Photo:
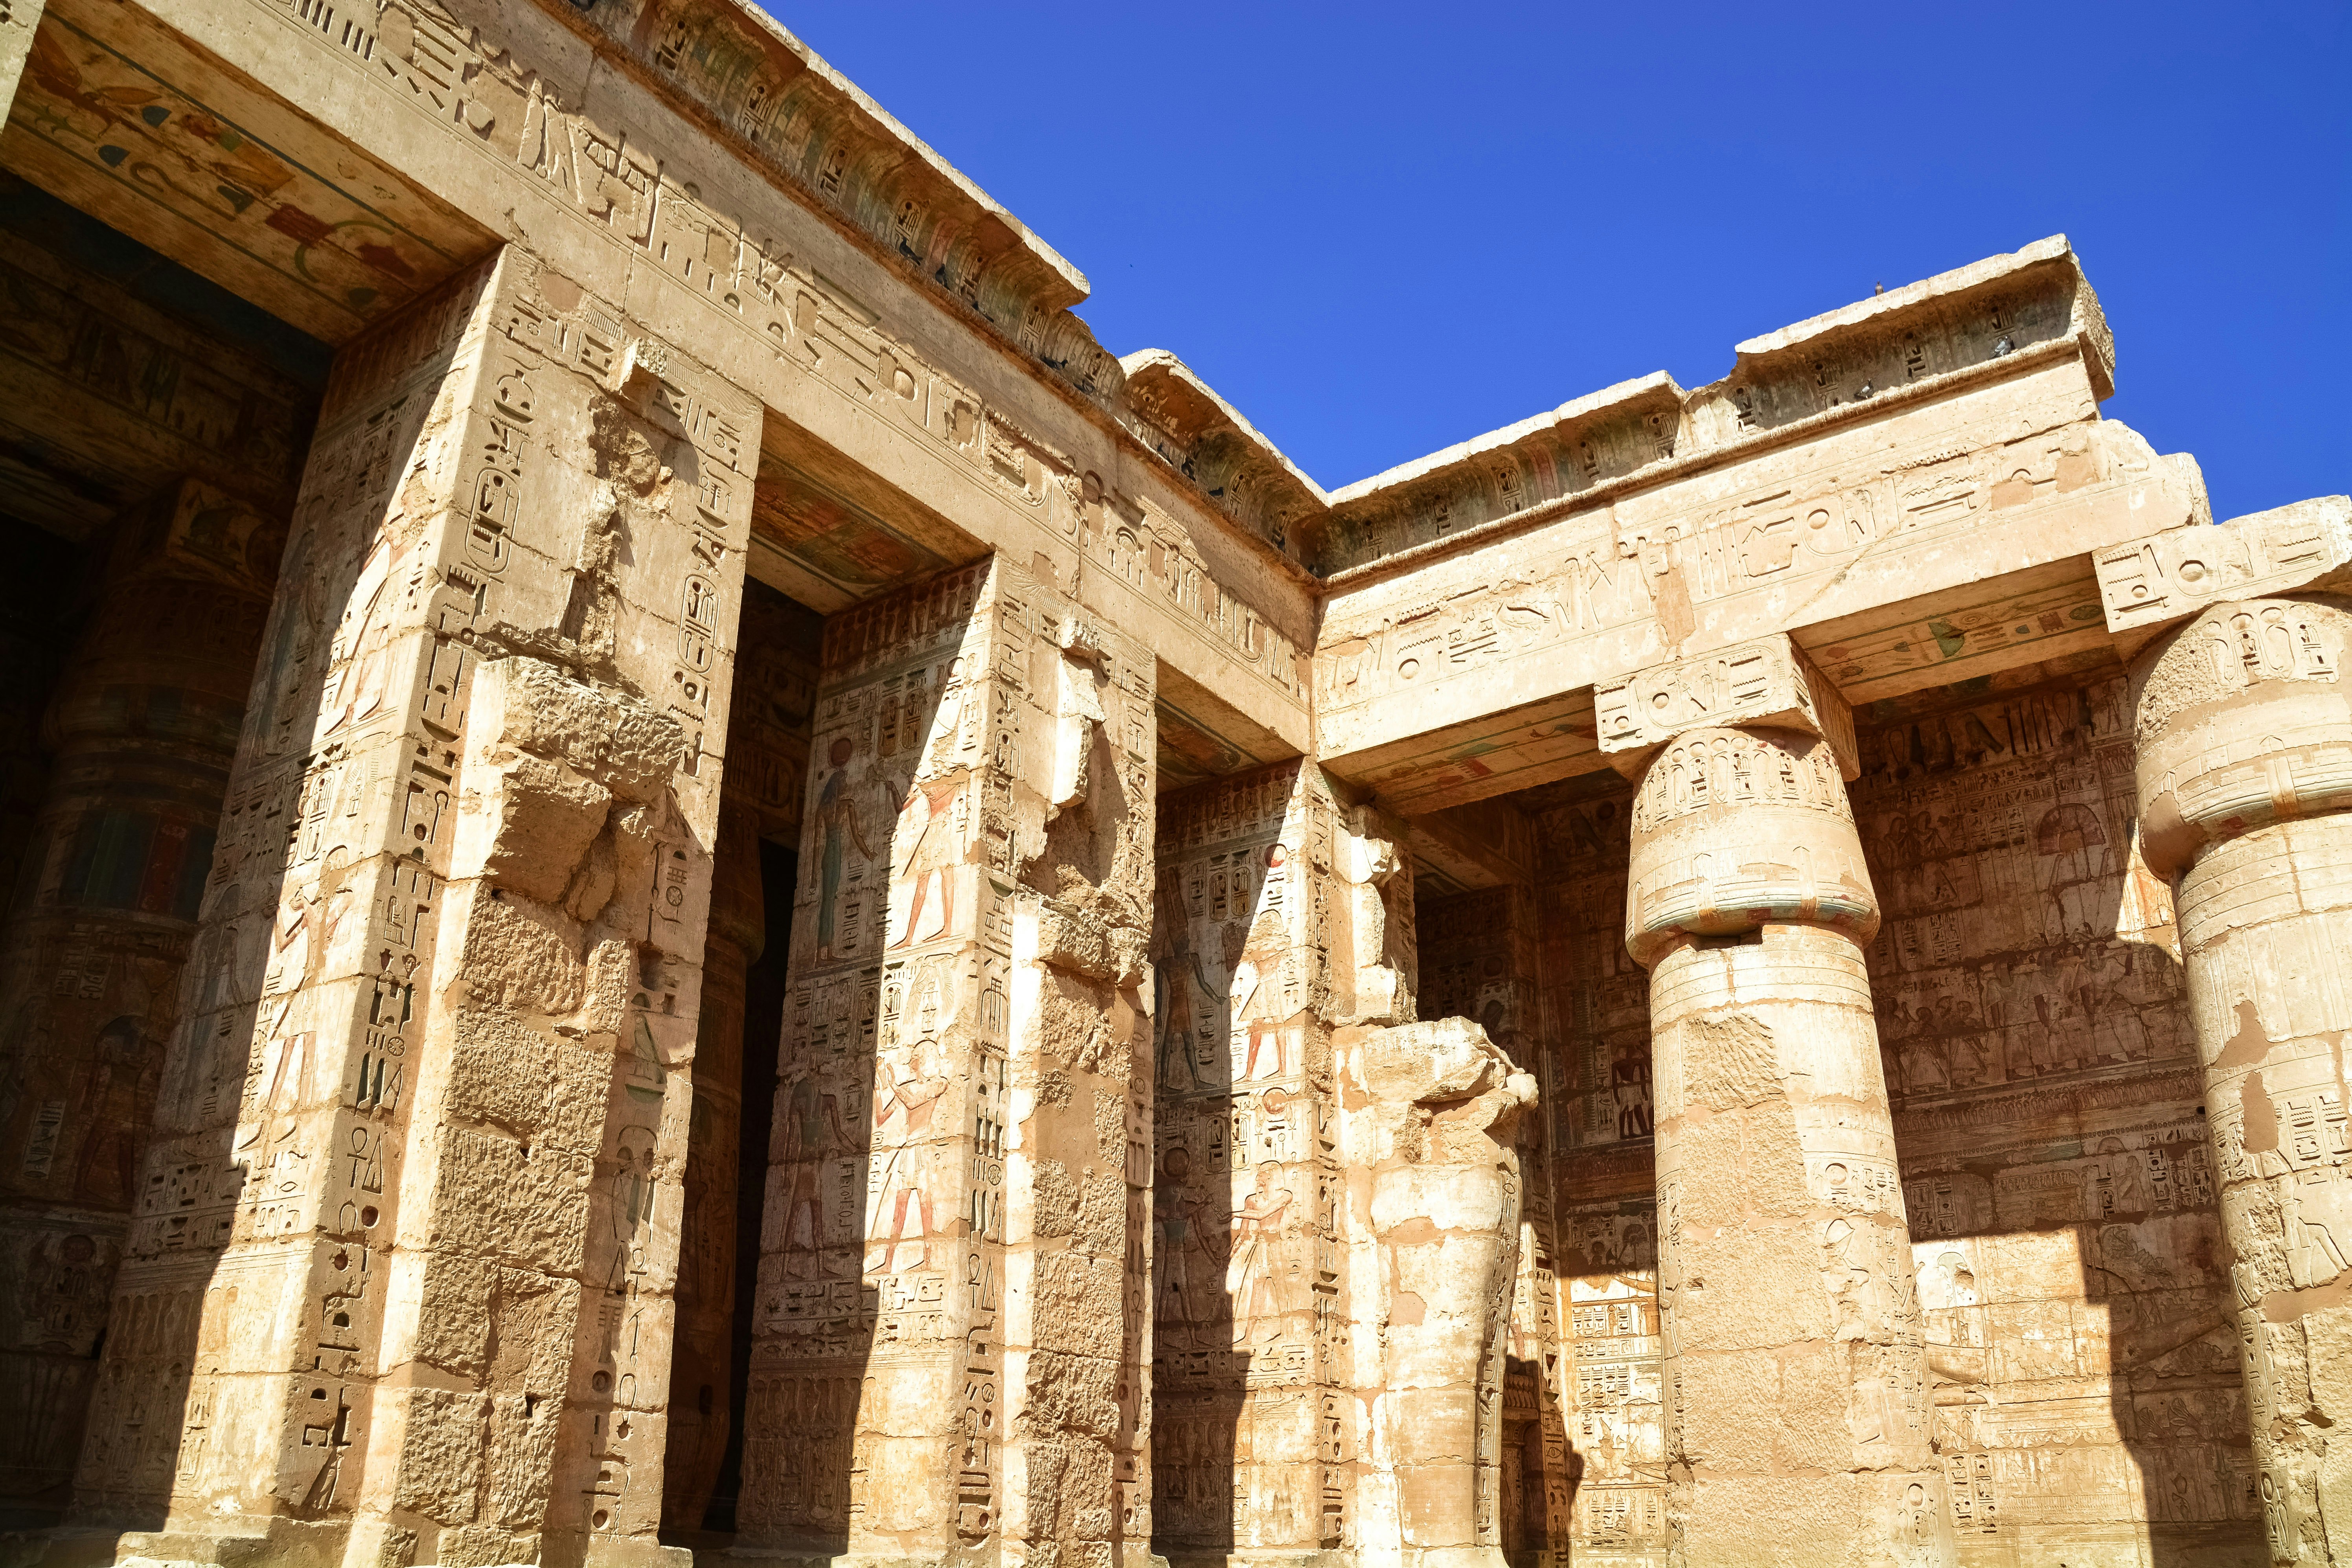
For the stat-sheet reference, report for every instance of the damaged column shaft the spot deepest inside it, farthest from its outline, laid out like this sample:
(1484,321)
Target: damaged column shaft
(2245,790)
(1797,1416)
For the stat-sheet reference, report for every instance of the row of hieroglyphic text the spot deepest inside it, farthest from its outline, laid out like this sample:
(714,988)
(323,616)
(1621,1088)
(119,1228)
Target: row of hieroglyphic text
(1615,1417)
(1249,1360)
(1594,581)
(478,85)
(1656,422)
(282,1124)
(2023,936)
(2060,1186)
(1595,1064)
(462,512)
(2083,1361)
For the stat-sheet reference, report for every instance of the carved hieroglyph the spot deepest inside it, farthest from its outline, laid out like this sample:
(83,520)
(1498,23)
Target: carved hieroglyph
(2027,977)
(414,1200)
(955,1249)
(2245,786)
(1765,683)
(1117,1198)
(1254,1431)
(1482,953)
(1797,1416)
(146,726)
(2149,582)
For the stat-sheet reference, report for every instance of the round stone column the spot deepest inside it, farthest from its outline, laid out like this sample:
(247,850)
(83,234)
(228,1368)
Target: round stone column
(1798,1424)
(2245,777)
(143,725)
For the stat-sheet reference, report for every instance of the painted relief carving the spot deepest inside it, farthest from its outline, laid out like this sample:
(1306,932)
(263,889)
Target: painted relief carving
(1255,1434)
(521,806)
(2167,575)
(1950,1168)
(1767,682)
(1437,1140)
(2261,825)
(959,1073)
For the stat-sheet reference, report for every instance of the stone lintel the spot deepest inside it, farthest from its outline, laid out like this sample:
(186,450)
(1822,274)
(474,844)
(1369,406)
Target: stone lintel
(2150,582)
(1480,844)
(1765,682)
(2046,266)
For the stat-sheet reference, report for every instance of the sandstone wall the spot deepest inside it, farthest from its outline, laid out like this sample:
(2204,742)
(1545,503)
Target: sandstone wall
(2061,1185)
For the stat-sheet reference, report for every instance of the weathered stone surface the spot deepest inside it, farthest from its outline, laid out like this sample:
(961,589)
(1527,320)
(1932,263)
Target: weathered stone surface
(1158,1031)
(1787,1301)
(2245,777)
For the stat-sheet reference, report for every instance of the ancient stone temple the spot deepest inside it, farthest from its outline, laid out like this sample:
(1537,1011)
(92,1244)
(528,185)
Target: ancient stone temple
(690,885)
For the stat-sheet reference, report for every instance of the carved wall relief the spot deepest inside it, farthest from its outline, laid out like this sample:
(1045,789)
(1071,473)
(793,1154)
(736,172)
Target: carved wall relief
(1481,953)
(1430,1134)
(955,1227)
(2057,1174)
(2244,735)
(1255,1430)
(145,724)
(469,827)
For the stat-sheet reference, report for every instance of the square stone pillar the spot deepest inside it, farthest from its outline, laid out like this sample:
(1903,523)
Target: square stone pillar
(952,1304)
(398,1288)
(1255,1424)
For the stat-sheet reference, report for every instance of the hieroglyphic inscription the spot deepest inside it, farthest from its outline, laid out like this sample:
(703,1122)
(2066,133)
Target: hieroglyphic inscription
(1250,1336)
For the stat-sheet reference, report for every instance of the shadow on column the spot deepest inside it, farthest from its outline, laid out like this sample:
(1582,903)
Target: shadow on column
(1209,1247)
(763,1018)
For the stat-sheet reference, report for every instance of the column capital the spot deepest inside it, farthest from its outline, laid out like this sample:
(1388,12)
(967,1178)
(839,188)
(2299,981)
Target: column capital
(1765,682)
(2242,719)
(1735,829)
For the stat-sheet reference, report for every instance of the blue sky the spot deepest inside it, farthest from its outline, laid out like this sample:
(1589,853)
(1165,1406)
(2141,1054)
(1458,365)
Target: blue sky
(1379,230)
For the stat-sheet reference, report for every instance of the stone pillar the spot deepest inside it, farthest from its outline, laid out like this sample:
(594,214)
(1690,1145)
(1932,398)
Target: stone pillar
(1437,1135)
(399,1285)
(955,1244)
(1255,1423)
(143,726)
(704,1352)
(1798,1424)
(1481,955)
(2245,790)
